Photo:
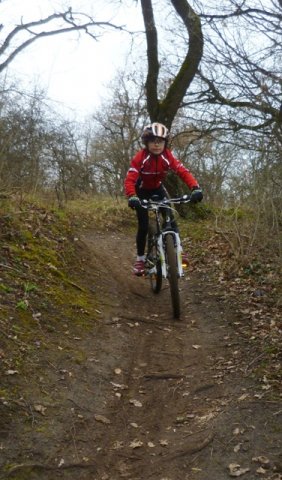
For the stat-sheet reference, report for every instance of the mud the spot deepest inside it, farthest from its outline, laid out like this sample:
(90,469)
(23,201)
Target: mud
(151,398)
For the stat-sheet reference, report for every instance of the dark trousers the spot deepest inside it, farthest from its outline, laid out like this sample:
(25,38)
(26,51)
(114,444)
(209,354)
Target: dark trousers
(143,217)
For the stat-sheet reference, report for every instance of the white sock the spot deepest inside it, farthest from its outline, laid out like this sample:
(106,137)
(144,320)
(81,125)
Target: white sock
(141,258)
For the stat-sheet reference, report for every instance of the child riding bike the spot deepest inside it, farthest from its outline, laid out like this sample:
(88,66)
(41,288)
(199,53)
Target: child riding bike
(148,169)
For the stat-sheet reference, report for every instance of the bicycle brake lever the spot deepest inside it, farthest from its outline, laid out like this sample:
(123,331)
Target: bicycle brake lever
(186,198)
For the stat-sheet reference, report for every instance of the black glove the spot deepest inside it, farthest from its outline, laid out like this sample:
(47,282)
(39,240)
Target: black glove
(134,202)
(196,195)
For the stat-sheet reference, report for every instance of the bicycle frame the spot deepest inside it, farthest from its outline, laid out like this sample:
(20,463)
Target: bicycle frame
(156,206)
(164,259)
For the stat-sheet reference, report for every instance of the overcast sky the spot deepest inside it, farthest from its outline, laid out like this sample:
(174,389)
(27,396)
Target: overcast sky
(73,70)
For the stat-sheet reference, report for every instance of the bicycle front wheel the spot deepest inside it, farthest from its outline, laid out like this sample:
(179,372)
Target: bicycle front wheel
(154,261)
(173,275)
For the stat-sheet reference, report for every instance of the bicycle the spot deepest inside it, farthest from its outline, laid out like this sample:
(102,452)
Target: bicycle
(164,251)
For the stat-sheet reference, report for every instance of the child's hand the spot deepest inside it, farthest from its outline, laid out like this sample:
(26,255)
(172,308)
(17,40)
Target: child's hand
(134,202)
(196,195)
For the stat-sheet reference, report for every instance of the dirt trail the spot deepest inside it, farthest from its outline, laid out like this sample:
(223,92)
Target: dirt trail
(153,398)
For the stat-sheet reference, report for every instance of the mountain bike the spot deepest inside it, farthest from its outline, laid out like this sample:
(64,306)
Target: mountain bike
(164,250)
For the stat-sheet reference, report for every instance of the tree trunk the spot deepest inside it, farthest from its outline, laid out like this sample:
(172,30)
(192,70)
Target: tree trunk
(166,110)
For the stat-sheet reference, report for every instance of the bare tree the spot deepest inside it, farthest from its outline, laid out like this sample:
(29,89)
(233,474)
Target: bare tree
(116,132)
(55,24)
(22,140)
(239,80)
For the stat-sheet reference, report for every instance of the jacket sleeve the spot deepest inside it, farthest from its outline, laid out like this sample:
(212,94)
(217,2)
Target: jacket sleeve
(132,175)
(182,171)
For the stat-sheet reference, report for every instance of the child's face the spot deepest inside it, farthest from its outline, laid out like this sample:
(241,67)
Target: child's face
(156,145)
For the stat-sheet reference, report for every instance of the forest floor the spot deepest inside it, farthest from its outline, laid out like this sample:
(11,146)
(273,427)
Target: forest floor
(133,394)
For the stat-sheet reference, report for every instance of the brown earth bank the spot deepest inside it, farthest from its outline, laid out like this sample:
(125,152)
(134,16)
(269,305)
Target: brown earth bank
(134,394)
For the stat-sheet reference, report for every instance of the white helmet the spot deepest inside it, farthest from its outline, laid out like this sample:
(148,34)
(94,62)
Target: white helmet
(155,130)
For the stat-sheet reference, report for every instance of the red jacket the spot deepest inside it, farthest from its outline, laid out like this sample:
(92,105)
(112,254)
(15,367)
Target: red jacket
(151,170)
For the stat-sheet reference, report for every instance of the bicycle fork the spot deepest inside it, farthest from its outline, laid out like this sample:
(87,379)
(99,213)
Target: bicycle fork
(178,248)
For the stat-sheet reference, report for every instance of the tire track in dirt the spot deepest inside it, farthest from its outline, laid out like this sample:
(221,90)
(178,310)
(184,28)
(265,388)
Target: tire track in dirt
(137,395)
(180,380)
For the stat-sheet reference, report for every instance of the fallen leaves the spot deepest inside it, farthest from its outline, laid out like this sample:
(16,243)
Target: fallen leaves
(136,444)
(11,372)
(40,409)
(164,443)
(134,425)
(235,470)
(261,459)
(136,403)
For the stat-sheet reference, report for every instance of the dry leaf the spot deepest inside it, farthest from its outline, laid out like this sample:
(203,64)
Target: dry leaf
(237,448)
(136,444)
(243,397)
(102,419)
(261,459)
(11,372)
(163,443)
(117,445)
(235,470)
(261,470)
(151,444)
(196,347)
(136,403)
(134,425)
(40,409)
(119,385)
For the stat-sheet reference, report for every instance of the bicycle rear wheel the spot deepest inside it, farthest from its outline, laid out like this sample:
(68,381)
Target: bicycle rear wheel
(154,261)
(173,275)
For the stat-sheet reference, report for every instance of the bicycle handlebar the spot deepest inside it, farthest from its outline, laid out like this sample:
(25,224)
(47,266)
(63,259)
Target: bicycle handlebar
(165,201)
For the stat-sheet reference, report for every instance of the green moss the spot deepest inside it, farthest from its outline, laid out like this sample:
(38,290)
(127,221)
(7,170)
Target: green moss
(5,288)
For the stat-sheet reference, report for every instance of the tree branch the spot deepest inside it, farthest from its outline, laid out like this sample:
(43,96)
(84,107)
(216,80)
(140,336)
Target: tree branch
(67,17)
(215,97)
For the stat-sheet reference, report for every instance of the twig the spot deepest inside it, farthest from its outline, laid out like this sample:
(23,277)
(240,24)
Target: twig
(80,406)
(162,376)
(75,285)
(10,268)
(41,466)
(253,361)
